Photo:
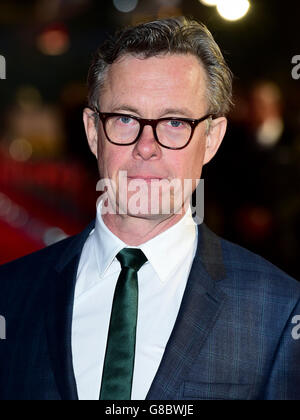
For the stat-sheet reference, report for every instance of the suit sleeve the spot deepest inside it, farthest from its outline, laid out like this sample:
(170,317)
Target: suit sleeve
(284,379)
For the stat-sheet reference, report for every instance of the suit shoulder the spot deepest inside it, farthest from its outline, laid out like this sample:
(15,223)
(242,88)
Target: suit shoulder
(251,268)
(30,271)
(48,256)
(44,256)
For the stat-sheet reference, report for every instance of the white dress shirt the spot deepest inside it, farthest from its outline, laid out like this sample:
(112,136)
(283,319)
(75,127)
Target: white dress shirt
(161,281)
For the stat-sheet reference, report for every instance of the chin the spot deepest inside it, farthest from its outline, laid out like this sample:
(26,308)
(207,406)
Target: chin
(146,216)
(151,210)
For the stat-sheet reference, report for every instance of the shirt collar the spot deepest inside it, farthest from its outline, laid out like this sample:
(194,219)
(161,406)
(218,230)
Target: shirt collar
(107,244)
(169,249)
(164,252)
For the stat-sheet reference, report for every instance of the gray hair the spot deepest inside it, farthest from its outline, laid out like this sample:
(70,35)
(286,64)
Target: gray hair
(160,37)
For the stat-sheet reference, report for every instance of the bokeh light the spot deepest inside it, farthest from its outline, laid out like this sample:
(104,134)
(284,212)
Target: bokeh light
(53,235)
(233,9)
(28,97)
(125,6)
(20,150)
(54,40)
(209,2)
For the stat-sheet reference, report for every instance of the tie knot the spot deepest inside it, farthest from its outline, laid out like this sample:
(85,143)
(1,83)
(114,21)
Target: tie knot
(131,258)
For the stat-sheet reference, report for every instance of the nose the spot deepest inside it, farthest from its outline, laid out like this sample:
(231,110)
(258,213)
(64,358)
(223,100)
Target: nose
(147,147)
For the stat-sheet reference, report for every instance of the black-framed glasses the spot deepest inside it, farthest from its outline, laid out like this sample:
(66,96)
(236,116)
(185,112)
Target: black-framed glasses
(170,132)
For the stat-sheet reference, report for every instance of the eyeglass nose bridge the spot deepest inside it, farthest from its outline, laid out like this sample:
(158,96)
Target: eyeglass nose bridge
(143,123)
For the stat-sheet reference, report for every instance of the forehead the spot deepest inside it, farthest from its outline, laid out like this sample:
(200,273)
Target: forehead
(157,81)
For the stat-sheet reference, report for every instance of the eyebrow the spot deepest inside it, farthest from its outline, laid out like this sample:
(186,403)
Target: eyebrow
(179,111)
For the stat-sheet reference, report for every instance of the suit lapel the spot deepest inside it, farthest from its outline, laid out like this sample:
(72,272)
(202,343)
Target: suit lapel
(59,315)
(201,305)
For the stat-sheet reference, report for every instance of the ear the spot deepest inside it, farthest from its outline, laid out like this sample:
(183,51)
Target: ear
(214,138)
(91,130)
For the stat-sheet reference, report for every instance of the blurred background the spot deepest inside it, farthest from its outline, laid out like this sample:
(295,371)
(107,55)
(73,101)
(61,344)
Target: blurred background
(47,174)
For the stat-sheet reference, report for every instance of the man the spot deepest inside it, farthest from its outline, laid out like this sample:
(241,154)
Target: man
(144,304)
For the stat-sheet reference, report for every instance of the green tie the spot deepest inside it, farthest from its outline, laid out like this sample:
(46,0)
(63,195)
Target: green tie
(120,349)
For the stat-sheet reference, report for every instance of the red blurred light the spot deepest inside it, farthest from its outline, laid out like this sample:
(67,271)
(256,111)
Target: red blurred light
(54,40)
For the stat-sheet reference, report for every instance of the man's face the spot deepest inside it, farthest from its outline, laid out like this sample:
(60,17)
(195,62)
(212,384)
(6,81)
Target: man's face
(156,87)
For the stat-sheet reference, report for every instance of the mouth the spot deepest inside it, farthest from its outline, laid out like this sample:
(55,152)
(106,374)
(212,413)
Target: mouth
(146,178)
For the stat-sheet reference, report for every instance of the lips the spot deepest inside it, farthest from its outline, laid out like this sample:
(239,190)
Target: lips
(145,177)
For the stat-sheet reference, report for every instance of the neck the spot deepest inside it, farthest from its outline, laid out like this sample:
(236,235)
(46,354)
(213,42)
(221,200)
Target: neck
(135,231)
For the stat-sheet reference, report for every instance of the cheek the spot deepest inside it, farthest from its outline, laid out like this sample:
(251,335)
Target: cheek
(106,155)
(111,160)
(104,160)
(197,157)
(189,164)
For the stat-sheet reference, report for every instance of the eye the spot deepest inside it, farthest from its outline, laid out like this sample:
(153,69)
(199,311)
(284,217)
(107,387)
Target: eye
(125,120)
(175,124)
